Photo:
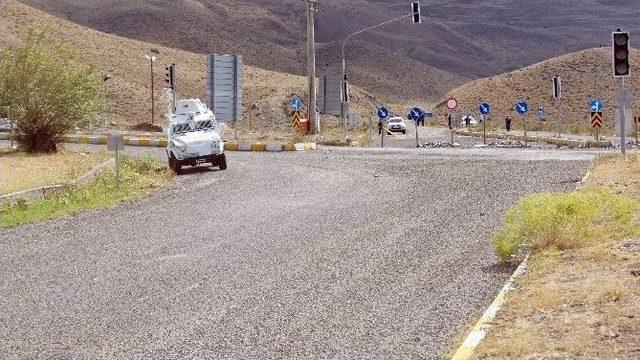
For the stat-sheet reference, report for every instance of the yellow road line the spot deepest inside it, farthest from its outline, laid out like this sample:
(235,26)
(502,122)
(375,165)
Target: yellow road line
(479,331)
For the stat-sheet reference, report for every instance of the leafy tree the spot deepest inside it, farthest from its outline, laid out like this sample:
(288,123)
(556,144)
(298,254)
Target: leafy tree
(46,92)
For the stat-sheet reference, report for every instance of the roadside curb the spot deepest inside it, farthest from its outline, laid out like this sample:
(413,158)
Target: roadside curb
(572,143)
(162,143)
(479,331)
(261,147)
(50,190)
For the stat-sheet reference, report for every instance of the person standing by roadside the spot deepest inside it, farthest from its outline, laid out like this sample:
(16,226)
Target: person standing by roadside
(380,127)
(507,123)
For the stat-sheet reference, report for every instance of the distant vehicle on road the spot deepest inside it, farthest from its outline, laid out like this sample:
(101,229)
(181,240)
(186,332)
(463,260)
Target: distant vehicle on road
(194,137)
(468,120)
(397,124)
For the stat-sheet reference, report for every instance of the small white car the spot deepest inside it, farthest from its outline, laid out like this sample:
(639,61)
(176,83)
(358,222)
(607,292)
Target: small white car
(397,124)
(194,137)
(472,121)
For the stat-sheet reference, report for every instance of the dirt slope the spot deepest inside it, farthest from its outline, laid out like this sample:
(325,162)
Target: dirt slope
(458,40)
(267,93)
(585,75)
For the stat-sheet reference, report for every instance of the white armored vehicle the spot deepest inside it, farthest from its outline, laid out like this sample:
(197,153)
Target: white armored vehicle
(194,136)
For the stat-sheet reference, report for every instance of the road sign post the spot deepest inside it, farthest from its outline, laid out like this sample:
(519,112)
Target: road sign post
(596,123)
(225,88)
(596,106)
(383,114)
(557,95)
(417,114)
(115,143)
(484,109)
(452,104)
(522,108)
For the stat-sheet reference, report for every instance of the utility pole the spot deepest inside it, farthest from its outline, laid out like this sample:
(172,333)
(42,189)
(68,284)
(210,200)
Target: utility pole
(152,59)
(311,64)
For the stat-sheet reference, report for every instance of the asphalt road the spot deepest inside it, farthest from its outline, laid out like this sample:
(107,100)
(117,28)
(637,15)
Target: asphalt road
(334,254)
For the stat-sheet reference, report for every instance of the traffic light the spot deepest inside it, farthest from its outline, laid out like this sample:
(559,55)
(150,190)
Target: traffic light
(415,7)
(170,76)
(621,54)
(557,87)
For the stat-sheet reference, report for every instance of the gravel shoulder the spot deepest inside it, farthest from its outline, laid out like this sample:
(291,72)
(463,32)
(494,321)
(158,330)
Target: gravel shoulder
(338,254)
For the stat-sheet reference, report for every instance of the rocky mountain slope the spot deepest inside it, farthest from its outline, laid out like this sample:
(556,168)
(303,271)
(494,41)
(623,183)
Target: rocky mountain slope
(267,93)
(458,41)
(585,75)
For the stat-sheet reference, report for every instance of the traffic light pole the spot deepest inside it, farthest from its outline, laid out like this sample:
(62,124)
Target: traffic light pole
(344,44)
(623,120)
(153,98)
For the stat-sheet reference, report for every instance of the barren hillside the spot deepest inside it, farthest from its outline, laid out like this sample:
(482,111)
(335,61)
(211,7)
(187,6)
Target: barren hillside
(458,41)
(267,93)
(585,75)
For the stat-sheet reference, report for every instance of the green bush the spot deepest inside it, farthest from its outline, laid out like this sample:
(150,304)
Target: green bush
(566,221)
(46,93)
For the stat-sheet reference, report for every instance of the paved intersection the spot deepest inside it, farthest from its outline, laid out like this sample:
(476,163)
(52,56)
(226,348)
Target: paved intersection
(334,254)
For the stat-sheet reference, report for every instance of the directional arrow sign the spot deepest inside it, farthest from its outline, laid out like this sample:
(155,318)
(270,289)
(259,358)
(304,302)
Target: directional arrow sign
(484,108)
(596,119)
(596,105)
(296,118)
(296,104)
(522,107)
(383,112)
(416,113)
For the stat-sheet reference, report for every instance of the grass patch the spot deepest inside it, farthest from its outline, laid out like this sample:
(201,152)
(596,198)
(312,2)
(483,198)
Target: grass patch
(566,221)
(22,171)
(138,177)
(579,297)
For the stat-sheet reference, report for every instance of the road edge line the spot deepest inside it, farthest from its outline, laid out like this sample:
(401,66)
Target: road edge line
(479,331)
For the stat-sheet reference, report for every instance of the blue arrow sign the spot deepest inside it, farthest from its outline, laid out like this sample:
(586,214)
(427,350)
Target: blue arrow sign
(522,107)
(484,108)
(416,114)
(383,112)
(596,105)
(296,104)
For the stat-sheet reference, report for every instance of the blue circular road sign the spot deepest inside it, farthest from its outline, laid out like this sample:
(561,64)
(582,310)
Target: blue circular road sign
(484,108)
(596,105)
(383,112)
(522,107)
(296,104)
(416,113)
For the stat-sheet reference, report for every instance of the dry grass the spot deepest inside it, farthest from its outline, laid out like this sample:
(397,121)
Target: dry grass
(22,171)
(612,171)
(581,303)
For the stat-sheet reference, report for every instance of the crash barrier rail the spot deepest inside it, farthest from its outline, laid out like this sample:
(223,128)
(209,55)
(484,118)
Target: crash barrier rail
(162,142)
(572,143)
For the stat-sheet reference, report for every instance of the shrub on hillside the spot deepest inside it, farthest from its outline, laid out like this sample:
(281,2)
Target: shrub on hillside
(46,93)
